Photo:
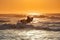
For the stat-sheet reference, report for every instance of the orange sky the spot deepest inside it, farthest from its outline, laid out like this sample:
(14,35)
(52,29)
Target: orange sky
(23,6)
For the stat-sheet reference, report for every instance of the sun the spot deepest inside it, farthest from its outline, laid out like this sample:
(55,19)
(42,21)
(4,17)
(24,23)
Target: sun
(33,13)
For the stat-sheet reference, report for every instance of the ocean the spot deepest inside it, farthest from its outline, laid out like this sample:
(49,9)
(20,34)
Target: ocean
(38,29)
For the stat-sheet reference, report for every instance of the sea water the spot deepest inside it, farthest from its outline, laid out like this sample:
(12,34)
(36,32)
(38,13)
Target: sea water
(31,34)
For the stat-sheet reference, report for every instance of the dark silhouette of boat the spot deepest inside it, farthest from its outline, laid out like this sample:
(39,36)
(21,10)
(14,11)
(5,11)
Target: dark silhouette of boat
(28,20)
(23,22)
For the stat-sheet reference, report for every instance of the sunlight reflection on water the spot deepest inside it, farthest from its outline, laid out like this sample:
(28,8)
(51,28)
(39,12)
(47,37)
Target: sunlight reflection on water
(31,34)
(40,35)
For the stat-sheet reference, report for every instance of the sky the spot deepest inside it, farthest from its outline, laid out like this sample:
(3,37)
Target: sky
(26,6)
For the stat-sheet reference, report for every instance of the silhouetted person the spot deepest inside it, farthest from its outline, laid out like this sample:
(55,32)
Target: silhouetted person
(28,20)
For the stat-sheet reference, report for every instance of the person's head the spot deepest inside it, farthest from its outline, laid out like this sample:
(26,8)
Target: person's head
(29,17)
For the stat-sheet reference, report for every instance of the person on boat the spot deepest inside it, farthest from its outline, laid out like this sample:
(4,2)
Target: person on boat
(22,23)
(28,20)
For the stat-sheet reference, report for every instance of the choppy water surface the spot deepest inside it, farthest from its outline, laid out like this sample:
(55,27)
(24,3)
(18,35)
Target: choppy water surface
(29,34)
(32,34)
